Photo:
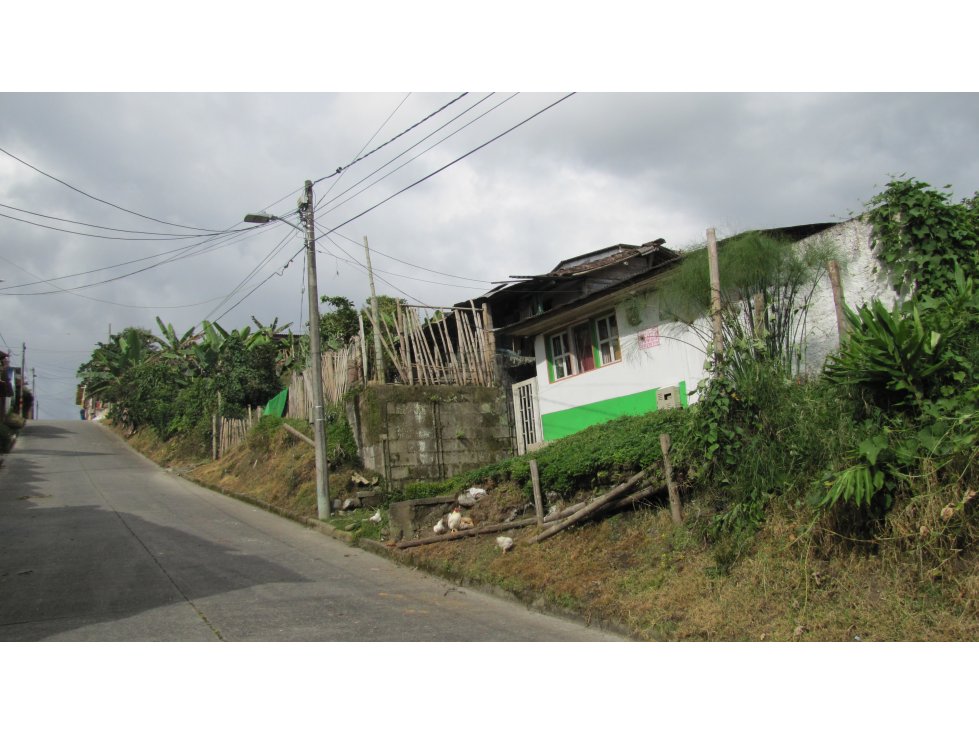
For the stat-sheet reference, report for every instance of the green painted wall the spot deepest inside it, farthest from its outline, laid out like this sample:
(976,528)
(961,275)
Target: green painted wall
(565,422)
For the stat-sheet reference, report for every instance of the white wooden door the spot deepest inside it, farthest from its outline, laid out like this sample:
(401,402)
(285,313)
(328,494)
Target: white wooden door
(527,413)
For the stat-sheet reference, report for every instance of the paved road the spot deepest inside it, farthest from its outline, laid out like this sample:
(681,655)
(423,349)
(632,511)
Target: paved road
(98,543)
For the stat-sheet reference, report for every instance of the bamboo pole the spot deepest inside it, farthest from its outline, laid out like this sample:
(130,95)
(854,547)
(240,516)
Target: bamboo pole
(363,347)
(591,507)
(464,358)
(452,352)
(479,334)
(429,354)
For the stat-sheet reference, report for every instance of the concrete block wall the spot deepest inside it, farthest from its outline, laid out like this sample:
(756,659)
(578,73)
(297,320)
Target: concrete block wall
(410,433)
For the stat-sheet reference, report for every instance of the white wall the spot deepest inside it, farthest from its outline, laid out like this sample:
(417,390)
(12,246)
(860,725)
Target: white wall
(862,280)
(679,356)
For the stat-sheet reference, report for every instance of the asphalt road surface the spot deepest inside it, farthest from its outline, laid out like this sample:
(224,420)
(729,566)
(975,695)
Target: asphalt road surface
(98,543)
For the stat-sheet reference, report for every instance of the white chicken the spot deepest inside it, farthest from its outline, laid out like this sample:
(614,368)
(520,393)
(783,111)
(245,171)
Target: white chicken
(376,517)
(454,519)
(504,543)
(440,526)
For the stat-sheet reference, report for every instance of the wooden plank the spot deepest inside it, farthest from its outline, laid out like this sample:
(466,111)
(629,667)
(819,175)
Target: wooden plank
(297,434)
(621,504)
(592,507)
(676,510)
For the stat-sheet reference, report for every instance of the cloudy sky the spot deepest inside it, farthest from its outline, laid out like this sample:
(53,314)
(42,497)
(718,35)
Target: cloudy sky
(119,207)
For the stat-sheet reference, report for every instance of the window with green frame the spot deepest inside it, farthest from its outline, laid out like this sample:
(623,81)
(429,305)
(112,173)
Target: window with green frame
(582,347)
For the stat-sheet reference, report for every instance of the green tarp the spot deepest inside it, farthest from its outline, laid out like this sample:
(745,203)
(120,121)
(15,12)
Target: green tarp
(277,405)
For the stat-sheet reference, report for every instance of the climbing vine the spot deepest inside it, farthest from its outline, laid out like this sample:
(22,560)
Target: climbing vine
(920,236)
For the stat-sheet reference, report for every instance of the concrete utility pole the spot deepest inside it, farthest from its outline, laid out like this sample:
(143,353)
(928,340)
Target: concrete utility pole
(33,394)
(315,355)
(306,204)
(378,354)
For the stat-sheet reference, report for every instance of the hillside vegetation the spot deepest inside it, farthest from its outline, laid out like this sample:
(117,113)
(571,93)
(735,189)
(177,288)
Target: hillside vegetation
(840,506)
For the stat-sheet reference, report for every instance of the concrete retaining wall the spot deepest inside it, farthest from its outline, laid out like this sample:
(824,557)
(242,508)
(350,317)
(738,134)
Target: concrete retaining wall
(412,433)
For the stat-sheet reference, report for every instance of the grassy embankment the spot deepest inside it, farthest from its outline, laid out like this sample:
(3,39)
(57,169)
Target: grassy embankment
(795,576)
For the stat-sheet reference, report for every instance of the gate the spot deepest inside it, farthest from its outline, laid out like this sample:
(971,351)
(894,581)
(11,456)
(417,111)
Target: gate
(527,414)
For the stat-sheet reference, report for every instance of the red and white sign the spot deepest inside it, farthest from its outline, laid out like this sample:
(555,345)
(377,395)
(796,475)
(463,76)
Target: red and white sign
(649,338)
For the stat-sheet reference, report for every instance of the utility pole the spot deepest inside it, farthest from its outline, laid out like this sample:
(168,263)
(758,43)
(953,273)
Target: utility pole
(33,394)
(378,354)
(23,376)
(315,354)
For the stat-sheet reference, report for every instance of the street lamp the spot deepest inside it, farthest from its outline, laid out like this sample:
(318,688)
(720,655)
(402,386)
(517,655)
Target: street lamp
(319,424)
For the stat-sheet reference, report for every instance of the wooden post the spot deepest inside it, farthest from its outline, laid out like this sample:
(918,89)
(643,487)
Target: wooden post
(834,279)
(758,313)
(538,503)
(214,436)
(715,296)
(375,317)
(676,511)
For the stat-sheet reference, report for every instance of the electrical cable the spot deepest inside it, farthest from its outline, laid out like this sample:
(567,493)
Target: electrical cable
(341,170)
(279,273)
(413,265)
(183,253)
(404,152)
(272,253)
(402,133)
(156,235)
(451,163)
(103,201)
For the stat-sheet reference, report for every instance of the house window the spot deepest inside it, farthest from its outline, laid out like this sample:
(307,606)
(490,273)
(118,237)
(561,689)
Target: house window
(608,339)
(561,358)
(583,347)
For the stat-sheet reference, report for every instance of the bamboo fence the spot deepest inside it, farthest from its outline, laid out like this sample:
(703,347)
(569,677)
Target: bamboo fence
(229,432)
(453,346)
(341,369)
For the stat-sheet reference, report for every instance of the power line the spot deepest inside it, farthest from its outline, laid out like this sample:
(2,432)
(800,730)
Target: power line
(451,163)
(398,275)
(402,133)
(413,158)
(414,265)
(272,253)
(103,201)
(278,272)
(182,253)
(155,235)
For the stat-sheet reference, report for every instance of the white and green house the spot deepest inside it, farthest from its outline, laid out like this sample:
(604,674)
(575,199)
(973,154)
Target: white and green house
(586,341)
(593,343)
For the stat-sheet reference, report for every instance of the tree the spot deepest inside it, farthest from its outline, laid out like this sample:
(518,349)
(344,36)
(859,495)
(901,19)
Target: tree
(782,273)
(340,325)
